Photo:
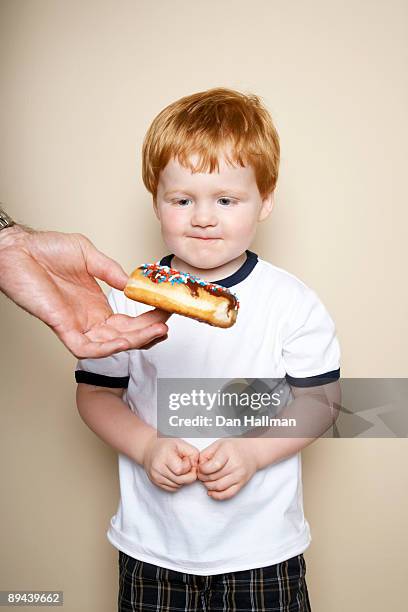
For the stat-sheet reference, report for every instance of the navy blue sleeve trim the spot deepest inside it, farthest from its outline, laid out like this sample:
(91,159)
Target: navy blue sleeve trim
(314,381)
(99,380)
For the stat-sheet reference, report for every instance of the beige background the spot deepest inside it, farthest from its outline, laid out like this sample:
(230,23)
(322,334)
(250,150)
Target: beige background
(80,82)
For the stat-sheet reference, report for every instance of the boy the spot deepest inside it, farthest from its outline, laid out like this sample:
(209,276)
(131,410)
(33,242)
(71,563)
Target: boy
(201,524)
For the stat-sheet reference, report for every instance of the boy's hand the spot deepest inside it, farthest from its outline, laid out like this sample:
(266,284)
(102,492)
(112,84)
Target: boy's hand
(226,466)
(170,462)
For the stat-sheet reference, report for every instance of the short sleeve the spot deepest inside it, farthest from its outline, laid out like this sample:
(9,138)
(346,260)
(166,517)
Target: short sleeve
(310,348)
(110,371)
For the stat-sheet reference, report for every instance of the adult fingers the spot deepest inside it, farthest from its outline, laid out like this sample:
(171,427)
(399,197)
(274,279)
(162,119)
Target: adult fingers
(95,344)
(156,315)
(146,338)
(127,327)
(124,322)
(83,348)
(150,344)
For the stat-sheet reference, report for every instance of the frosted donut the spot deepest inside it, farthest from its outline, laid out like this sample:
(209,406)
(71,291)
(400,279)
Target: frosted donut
(182,293)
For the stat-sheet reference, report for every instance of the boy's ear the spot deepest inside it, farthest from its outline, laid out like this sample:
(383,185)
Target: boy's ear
(266,207)
(156,208)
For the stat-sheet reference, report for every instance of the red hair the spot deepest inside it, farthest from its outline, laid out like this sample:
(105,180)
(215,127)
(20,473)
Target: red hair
(209,123)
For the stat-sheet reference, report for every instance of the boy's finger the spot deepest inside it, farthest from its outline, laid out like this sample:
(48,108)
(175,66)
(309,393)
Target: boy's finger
(179,465)
(188,478)
(194,458)
(168,482)
(213,465)
(168,488)
(184,449)
(186,465)
(221,484)
(182,479)
(214,475)
(205,456)
(209,452)
(221,495)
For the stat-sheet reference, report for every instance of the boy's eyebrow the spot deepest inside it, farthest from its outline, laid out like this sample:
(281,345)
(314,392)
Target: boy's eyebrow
(232,191)
(226,190)
(173,191)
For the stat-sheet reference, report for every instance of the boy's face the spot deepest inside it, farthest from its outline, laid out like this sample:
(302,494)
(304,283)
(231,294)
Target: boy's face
(208,220)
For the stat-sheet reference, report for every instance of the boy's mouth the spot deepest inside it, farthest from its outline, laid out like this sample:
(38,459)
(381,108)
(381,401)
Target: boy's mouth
(203,238)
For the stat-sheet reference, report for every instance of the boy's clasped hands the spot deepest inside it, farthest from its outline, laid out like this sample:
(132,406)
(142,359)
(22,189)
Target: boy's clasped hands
(224,467)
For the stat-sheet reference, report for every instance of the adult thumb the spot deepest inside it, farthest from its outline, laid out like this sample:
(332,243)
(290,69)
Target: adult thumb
(106,269)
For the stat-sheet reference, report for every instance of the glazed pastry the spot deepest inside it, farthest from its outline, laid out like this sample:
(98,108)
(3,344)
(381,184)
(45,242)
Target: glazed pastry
(182,293)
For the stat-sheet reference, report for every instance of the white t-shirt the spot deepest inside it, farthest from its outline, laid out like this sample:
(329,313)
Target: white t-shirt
(282,330)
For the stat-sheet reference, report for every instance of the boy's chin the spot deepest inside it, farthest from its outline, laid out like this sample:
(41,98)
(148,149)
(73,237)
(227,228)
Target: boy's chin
(201,259)
(194,263)
(205,269)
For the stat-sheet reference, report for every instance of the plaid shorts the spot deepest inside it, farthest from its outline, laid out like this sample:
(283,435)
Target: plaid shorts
(275,588)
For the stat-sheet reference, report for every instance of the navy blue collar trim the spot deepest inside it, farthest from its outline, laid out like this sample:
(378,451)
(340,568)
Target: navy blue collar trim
(238,276)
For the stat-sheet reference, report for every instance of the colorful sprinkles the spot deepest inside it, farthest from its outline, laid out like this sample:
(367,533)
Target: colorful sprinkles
(161,274)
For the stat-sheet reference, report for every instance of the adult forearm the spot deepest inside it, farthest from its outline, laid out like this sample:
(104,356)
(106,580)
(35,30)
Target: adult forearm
(110,419)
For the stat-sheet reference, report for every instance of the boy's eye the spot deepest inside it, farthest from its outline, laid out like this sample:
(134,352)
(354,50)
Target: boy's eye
(183,201)
(225,201)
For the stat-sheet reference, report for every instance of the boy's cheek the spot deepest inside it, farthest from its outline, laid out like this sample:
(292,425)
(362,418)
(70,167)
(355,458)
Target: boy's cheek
(172,218)
(172,231)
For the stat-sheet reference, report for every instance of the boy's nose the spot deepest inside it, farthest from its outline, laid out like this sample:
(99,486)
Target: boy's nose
(203,215)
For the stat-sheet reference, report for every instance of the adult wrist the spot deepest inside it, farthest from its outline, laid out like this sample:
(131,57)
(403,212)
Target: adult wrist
(5,220)
(11,233)
(14,235)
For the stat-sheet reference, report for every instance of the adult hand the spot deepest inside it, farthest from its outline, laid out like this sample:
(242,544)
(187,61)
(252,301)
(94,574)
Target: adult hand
(52,276)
